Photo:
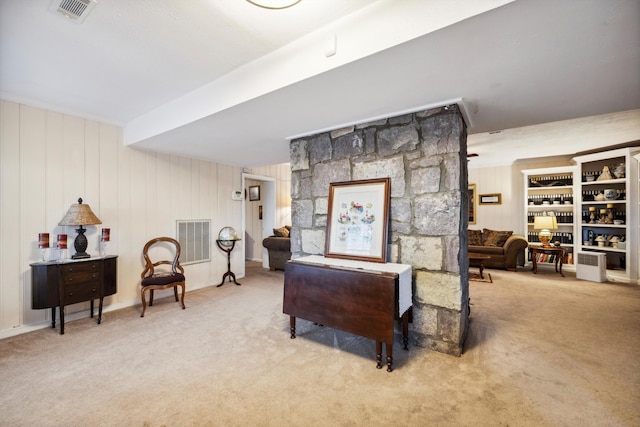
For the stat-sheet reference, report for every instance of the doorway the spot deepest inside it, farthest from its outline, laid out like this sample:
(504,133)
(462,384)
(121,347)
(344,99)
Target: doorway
(258,215)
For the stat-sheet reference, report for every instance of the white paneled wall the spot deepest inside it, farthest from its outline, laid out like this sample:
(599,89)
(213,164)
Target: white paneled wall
(48,160)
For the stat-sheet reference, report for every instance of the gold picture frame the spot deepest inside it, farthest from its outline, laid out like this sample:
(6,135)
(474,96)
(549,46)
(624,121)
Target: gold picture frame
(471,194)
(491,199)
(358,220)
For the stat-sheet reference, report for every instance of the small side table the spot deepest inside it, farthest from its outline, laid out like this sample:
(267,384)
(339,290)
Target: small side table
(558,251)
(227,246)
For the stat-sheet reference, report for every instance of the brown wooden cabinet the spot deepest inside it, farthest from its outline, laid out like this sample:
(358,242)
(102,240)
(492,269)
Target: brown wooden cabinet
(57,284)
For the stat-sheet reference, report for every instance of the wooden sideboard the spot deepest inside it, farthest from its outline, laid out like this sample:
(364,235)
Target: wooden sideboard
(57,284)
(357,301)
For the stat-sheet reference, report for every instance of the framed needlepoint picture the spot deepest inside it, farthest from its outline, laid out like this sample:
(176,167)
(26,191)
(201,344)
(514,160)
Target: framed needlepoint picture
(358,218)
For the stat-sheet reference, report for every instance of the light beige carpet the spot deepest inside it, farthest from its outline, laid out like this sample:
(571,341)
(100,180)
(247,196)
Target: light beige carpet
(542,350)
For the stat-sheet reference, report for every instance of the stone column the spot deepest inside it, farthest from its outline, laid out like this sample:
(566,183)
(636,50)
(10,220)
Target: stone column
(424,154)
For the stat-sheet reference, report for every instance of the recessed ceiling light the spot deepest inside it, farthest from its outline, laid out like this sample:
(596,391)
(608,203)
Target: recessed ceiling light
(274,4)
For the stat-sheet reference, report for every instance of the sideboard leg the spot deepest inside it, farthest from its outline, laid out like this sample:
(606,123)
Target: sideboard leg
(379,354)
(53,317)
(292,326)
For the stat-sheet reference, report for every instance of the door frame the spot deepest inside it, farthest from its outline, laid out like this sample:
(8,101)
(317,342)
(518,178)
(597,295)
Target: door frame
(268,199)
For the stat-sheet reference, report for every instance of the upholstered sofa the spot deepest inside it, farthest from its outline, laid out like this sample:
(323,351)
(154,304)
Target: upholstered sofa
(507,250)
(279,248)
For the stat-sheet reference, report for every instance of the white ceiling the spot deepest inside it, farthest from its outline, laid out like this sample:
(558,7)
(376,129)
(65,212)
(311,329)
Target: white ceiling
(225,81)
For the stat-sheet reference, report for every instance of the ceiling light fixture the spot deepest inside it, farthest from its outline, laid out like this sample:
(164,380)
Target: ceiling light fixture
(274,4)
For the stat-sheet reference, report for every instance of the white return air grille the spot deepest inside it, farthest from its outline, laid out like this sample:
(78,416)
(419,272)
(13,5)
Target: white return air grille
(194,237)
(76,10)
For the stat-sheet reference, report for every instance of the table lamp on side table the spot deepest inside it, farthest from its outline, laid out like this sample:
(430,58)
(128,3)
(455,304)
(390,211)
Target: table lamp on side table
(545,224)
(80,214)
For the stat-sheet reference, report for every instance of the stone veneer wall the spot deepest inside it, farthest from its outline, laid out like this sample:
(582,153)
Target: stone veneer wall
(424,154)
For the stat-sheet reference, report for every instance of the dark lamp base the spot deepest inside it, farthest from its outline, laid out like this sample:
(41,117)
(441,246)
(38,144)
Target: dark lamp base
(80,255)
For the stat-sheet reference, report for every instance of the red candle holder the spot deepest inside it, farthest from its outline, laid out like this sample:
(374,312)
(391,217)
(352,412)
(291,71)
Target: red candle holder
(62,241)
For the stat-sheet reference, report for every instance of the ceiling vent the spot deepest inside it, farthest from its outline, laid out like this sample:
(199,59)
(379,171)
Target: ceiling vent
(76,10)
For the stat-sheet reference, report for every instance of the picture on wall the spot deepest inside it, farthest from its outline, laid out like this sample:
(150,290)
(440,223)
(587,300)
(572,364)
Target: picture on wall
(472,203)
(491,199)
(254,193)
(357,221)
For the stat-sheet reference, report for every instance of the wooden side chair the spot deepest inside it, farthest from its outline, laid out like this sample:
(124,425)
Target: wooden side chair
(161,279)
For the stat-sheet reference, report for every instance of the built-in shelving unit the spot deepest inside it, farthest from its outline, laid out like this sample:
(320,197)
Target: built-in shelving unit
(607,203)
(552,192)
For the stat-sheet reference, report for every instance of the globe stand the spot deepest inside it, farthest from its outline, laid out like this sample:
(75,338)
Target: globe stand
(227,246)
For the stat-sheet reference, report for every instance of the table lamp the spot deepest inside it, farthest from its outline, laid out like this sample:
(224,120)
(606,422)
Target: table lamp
(545,224)
(80,214)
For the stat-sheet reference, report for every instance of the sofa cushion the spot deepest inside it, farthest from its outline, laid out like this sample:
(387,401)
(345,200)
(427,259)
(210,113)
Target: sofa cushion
(475,237)
(494,237)
(281,232)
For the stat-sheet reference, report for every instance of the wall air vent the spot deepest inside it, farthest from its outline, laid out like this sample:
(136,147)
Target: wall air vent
(76,10)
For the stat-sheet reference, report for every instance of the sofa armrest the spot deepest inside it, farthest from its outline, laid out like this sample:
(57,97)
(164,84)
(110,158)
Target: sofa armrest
(514,245)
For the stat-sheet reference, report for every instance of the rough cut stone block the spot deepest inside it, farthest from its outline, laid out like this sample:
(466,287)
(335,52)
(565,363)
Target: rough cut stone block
(370,140)
(296,245)
(441,134)
(392,167)
(400,227)
(400,209)
(322,206)
(295,185)
(452,254)
(425,320)
(339,132)
(305,187)
(452,170)
(437,214)
(302,213)
(392,253)
(438,289)
(320,221)
(399,120)
(380,122)
(326,173)
(426,180)
(421,252)
(449,325)
(313,242)
(319,149)
(349,145)
(299,155)
(397,139)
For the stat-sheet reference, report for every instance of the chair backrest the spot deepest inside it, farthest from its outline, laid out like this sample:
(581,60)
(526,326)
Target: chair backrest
(150,266)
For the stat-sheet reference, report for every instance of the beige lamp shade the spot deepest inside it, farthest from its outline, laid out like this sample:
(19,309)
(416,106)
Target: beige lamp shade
(80,214)
(544,224)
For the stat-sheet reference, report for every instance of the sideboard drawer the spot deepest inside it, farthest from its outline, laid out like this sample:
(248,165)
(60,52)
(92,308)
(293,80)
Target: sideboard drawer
(81,273)
(79,292)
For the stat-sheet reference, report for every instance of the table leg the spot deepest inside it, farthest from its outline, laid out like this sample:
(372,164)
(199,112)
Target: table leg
(535,264)
(53,317)
(482,269)
(379,354)
(405,330)
(292,326)
(561,257)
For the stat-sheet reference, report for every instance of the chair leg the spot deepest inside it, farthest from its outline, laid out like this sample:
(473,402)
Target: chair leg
(182,296)
(175,292)
(151,297)
(144,302)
